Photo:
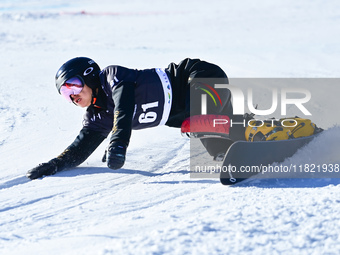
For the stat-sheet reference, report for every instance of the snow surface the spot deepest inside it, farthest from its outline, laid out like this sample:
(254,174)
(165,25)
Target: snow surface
(152,206)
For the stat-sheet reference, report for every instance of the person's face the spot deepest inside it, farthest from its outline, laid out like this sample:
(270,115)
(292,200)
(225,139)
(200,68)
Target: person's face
(84,98)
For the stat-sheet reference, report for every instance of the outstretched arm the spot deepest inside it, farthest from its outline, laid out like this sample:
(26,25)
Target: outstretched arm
(75,154)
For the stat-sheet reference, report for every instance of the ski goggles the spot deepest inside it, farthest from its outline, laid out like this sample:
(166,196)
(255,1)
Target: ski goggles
(72,86)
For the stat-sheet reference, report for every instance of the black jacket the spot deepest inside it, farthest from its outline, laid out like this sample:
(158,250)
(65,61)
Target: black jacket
(127,99)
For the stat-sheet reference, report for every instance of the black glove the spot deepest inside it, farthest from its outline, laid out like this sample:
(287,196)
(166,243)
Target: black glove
(115,155)
(42,169)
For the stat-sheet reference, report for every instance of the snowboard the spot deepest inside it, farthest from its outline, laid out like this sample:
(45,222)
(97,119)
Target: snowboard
(245,159)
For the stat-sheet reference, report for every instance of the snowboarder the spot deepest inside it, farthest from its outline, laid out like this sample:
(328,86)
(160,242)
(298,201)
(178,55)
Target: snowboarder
(120,99)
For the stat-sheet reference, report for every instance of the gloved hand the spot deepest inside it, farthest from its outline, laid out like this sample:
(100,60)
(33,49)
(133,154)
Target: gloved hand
(115,155)
(48,168)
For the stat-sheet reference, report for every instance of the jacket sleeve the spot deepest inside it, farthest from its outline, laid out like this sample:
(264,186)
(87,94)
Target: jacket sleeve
(81,148)
(121,84)
(124,101)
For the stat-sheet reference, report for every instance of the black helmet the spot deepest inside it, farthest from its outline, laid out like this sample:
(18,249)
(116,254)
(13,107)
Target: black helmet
(84,68)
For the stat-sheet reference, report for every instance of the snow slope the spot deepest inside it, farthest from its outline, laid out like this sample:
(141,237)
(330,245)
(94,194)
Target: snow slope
(152,206)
